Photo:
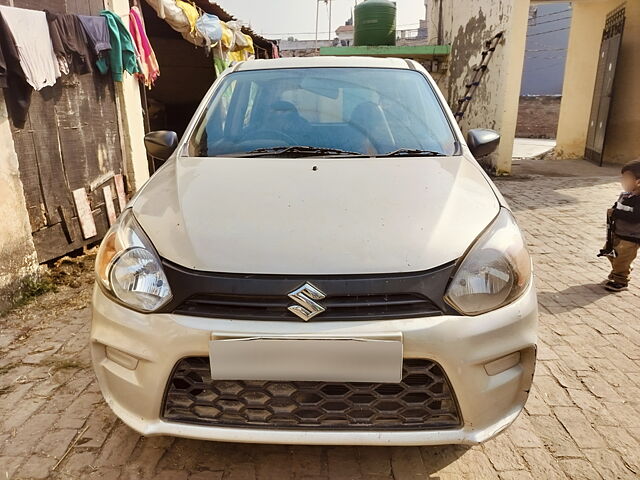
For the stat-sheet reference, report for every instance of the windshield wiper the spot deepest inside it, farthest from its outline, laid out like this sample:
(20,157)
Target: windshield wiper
(412,152)
(307,150)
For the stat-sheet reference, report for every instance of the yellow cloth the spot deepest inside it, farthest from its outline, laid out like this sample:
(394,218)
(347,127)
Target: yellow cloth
(227,36)
(238,56)
(191,13)
(249,49)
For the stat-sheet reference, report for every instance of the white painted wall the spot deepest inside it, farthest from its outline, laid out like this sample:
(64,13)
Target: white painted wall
(17,254)
(131,119)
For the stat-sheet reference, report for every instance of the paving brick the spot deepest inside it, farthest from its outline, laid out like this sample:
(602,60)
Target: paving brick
(407,464)
(503,454)
(34,428)
(375,461)
(516,475)
(36,468)
(542,465)
(522,433)
(552,393)
(579,427)
(9,465)
(555,438)
(609,464)
(342,463)
(206,475)
(118,447)
(55,442)
(241,471)
(172,475)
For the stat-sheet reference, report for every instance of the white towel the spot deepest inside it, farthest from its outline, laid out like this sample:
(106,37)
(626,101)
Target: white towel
(31,33)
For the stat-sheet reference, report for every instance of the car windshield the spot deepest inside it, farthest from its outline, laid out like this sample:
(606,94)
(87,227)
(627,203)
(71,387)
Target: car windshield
(323,111)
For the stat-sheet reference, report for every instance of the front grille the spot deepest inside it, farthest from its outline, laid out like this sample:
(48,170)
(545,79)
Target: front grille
(265,307)
(365,297)
(422,400)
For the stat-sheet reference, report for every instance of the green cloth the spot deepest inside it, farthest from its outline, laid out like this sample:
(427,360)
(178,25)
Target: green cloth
(122,56)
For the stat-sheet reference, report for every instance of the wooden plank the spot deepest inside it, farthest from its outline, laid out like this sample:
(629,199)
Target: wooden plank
(58,6)
(71,131)
(108,202)
(83,208)
(25,150)
(51,243)
(122,198)
(96,6)
(46,143)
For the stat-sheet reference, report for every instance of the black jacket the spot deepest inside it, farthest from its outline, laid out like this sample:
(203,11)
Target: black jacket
(626,215)
(70,41)
(12,79)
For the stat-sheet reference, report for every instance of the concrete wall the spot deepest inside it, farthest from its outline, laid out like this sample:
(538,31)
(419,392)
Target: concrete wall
(17,254)
(466,25)
(587,22)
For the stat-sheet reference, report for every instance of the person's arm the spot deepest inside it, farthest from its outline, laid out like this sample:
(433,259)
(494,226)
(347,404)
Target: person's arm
(628,213)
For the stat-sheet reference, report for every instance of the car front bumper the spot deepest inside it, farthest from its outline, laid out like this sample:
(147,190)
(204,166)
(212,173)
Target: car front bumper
(144,348)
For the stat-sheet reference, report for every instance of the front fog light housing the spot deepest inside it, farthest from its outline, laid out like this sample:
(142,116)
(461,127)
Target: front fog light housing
(129,269)
(494,272)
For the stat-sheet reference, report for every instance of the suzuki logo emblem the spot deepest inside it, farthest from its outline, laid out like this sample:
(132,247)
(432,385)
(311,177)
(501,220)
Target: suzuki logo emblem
(307,308)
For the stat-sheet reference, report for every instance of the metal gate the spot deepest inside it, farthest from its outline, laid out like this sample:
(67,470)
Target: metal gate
(603,89)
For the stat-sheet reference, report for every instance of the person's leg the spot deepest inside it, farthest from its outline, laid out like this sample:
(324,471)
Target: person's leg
(621,264)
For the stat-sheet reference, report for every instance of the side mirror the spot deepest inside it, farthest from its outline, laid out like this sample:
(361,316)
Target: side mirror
(482,141)
(161,143)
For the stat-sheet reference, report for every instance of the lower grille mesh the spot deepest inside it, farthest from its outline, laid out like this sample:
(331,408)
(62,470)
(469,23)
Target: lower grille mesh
(422,400)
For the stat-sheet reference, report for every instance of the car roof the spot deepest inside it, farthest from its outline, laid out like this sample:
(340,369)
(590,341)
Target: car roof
(328,61)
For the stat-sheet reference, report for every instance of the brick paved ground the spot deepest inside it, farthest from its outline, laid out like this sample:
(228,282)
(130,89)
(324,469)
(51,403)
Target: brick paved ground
(582,419)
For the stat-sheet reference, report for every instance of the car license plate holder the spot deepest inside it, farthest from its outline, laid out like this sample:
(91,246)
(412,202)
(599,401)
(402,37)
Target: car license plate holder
(361,359)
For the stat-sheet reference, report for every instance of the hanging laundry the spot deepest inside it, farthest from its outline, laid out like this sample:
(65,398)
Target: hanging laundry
(31,35)
(239,38)
(249,48)
(220,59)
(148,63)
(176,18)
(245,53)
(227,36)
(70,42)
(122,56)
(97,32)
(191,13)
(209,27)
(12,78)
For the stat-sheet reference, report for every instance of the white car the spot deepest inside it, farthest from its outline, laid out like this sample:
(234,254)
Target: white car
(320,260)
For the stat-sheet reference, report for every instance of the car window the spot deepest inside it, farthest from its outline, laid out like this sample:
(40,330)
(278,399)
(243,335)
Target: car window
(371,111)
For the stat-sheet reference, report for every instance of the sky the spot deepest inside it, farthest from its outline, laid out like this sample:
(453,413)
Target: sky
(283,18)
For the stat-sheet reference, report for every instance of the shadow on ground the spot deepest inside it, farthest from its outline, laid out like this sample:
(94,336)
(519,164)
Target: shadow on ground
(573,297)
(274,461)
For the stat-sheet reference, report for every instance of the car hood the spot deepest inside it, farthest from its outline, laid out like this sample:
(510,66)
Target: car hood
(315,215)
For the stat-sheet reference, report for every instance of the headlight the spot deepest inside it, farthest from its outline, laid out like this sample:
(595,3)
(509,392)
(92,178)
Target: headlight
(494,272)
(128,267)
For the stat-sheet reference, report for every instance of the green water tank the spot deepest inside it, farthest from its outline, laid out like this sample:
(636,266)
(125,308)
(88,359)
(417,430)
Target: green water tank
(375,23)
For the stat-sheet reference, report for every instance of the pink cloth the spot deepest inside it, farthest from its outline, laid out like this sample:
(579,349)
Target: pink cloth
(146,57)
